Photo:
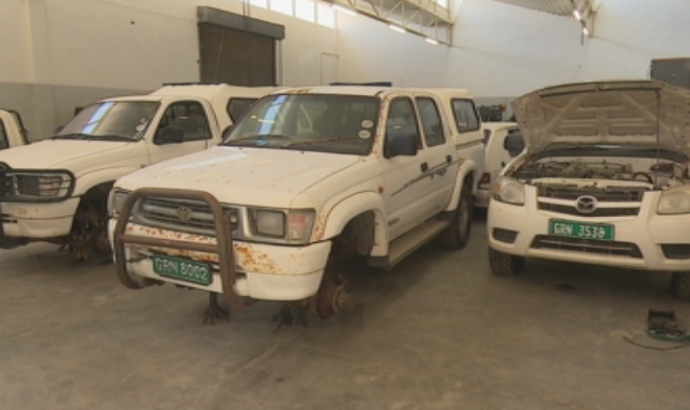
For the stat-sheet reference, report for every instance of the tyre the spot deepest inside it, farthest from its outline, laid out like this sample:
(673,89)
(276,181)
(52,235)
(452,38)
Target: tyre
(505,264)
(457,234)
(680,285)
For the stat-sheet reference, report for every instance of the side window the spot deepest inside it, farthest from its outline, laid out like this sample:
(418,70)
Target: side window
(4,142)
(188,116)
(431,121)
(401,121)
(238,106)
(466,117)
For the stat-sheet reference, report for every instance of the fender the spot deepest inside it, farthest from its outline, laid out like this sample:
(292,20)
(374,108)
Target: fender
(331,221)
(89,180)
(465,168)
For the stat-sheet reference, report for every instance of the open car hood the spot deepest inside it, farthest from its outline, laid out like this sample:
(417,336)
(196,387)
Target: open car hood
(636,112)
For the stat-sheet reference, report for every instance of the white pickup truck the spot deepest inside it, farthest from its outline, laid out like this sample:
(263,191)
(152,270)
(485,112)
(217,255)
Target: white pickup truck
(12,131)
(308,175)
(56,190)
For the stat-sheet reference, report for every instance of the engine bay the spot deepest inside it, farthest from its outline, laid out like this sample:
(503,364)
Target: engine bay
(652,172)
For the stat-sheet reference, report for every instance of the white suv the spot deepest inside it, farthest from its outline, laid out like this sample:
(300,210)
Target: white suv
(604,180)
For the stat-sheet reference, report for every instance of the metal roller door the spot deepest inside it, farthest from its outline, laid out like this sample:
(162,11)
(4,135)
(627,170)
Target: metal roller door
(236,57)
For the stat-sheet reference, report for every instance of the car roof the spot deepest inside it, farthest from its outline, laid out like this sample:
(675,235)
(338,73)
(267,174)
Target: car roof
(374,91)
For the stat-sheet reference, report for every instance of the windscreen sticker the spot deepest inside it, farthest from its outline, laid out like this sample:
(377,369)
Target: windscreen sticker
(364,134)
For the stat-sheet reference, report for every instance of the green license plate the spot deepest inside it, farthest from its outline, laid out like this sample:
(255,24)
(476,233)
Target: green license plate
(581,230)
(188,271)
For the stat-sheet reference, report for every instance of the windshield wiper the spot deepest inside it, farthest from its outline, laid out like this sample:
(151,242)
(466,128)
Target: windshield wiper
(333,139)
(73,136)
(110,138)
(83,136)
(262,140)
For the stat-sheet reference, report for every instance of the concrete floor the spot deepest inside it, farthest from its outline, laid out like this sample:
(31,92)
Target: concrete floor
(438,332)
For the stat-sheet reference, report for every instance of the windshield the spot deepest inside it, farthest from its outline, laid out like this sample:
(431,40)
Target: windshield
(110,120)
(341,124)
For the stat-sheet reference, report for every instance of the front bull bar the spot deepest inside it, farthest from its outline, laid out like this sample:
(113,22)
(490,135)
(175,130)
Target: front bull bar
(223,247)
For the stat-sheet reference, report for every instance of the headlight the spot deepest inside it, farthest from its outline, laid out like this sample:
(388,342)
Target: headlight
(674,203)
(36,186)
(509,191)
(269,223)
(293,225)
(116,201)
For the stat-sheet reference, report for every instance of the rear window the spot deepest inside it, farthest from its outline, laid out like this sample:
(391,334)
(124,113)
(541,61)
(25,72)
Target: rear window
(466,118)
(237,107)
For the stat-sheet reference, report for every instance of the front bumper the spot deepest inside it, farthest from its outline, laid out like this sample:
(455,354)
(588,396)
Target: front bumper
(37,220)
(265,272)
(519,230)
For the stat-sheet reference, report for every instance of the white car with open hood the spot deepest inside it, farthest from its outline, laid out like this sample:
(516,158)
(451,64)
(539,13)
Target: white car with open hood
(308,175)
(603,180)
(56,190)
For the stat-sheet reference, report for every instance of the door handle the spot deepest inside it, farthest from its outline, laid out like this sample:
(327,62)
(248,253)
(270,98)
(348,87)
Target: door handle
(425,166)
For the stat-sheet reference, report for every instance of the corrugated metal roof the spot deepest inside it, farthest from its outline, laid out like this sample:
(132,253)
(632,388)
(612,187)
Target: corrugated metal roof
(558,7)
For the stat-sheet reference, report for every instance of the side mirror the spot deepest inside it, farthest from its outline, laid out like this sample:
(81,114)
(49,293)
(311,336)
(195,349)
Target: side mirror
(401,144)
(169,135)
(514,144)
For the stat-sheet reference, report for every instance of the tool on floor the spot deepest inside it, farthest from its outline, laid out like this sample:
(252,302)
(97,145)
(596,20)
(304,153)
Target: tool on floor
(663,325)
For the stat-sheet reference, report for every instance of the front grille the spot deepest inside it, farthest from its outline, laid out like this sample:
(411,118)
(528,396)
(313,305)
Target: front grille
(164,213)
(587,246)
(570,210)
(611,194)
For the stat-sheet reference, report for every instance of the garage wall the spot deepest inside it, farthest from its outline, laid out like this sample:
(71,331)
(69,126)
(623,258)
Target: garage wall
(60,54)
(502,51)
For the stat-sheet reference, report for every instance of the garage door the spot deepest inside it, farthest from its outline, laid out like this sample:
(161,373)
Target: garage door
(236,57)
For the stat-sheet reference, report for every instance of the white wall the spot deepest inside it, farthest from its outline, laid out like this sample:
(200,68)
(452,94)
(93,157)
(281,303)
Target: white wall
(58,54)
(501,50)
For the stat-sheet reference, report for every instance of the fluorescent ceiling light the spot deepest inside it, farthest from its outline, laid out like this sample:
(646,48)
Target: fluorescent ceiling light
(431,41)
(344,10)
(397,28)
(585,31)
(577,14)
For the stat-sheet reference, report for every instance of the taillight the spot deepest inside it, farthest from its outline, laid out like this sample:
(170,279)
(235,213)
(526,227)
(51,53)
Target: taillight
(484,181)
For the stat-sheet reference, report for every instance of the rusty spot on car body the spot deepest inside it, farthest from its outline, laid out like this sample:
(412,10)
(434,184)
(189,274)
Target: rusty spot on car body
(247,256)
(320,227)
(253,260)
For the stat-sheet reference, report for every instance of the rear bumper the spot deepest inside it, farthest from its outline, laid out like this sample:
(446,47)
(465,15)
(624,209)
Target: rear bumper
(482,198)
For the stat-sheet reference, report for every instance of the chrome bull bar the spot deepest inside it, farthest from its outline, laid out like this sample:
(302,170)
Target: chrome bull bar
(223,247)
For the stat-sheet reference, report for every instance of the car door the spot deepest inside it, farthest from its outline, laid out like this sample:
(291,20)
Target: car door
(440,163)
(405,177)
(191,120)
